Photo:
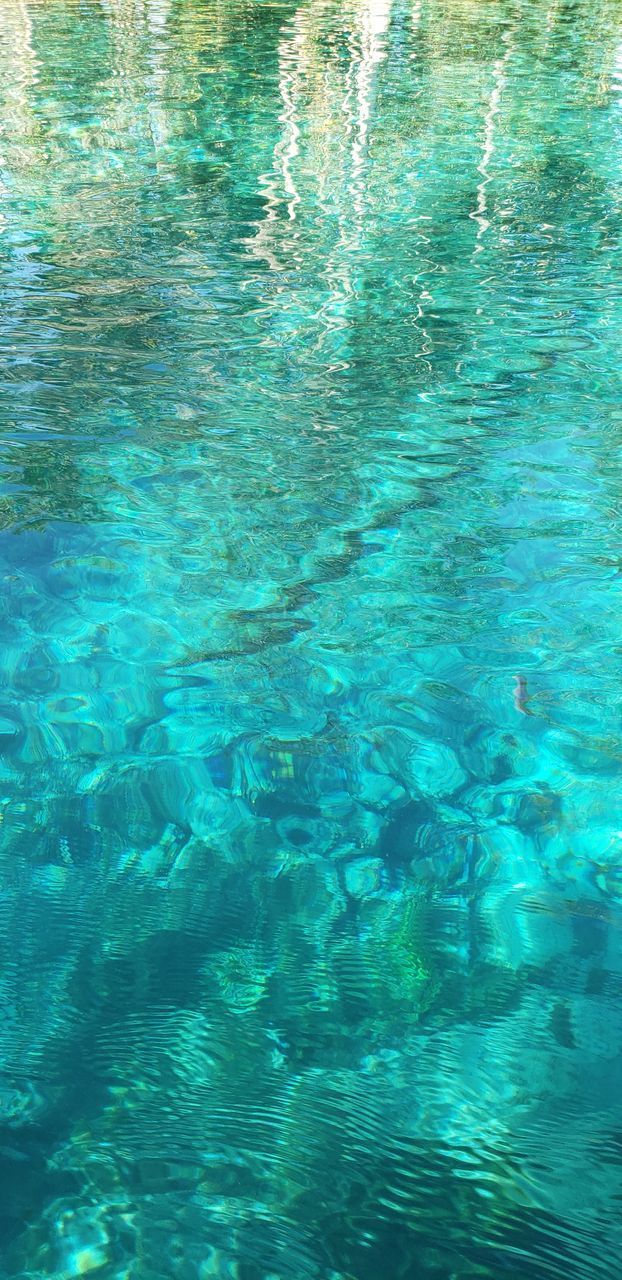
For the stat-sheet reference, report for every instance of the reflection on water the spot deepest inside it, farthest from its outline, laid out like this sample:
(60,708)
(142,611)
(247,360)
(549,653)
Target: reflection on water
(310,785)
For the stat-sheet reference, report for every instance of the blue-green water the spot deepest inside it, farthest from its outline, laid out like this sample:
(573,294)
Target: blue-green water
(311,683)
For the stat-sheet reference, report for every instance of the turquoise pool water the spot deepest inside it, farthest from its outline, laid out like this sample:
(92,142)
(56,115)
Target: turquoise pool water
(311,705)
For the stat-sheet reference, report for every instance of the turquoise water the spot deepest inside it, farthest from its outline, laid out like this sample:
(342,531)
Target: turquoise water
(311,700)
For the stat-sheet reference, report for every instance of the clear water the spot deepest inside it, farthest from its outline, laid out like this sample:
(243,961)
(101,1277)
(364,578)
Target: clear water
(311,705)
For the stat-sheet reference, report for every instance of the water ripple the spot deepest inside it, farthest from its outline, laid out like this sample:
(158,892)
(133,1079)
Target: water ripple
(311,887)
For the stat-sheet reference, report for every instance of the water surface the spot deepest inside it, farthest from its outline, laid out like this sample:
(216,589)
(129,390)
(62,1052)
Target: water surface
(311,685)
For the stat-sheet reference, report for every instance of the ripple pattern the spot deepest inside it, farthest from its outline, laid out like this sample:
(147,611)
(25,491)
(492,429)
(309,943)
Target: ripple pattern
(311,680)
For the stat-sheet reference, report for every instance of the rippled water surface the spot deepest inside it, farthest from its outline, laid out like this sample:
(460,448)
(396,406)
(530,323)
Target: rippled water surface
(311,681)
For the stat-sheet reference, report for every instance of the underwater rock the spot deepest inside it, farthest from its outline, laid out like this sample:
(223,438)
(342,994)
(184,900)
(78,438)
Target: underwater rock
(363,876)
(408,833)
